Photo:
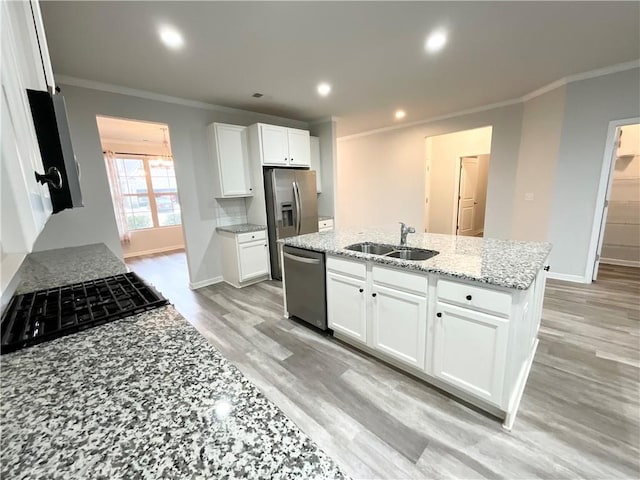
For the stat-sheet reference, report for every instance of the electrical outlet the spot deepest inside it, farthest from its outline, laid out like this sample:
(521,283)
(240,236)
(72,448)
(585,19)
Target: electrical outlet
(528,197)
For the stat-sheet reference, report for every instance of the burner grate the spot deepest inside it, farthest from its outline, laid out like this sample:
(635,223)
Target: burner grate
(37,317)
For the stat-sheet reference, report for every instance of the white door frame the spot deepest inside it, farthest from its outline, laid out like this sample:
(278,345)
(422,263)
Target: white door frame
(603,187)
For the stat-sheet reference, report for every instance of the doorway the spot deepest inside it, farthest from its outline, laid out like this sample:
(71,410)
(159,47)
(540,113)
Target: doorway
(456,182)
(619,232)
(142,180)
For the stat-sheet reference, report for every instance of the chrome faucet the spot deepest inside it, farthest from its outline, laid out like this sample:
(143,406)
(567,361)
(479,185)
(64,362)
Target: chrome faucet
(404,230)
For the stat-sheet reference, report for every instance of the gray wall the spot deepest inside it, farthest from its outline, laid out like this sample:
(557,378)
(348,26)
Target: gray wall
(590,106)
(187,128)
(381,177)
(542,119)
(326,131)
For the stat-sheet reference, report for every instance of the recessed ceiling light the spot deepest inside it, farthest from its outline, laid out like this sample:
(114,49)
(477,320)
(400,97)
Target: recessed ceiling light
(436,41)
(171,37)
(324,89)
(400,114)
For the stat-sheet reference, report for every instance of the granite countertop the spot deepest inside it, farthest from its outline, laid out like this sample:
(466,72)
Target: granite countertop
(54,268)
(241,228)
(142,397)
(505,263)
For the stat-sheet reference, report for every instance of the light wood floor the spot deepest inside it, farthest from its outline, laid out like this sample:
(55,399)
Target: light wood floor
(579,417)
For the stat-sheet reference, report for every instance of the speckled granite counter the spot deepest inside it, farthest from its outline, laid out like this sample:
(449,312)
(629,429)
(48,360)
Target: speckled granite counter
(53,268)
(505,263)
(142,397)
(241,228)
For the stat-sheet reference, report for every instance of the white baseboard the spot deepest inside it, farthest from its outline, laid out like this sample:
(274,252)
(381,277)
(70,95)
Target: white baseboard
(567,278)
(154,251)
(622,263)
(205,283)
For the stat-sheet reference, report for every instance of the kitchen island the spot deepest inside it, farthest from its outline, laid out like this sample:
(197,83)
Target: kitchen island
(465,320)
(142,397)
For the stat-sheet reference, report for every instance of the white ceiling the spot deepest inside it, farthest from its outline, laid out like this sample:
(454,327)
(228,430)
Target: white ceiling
(118,130)
(371,52)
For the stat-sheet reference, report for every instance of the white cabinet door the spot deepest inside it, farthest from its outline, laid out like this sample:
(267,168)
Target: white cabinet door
(253,259)
(346,306)
(399,324)
(275,145)
(299,147)
(233,164)
(469,351)
(26,204)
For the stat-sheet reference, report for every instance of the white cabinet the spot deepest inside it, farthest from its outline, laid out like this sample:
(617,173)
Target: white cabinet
(274,143)
(254,260)
(399,324)
(346,305)
(281,146)
(325,225)
(299,147)
(469,351)
(382,307)
(229,151)
(315,163)
(245,257)
(25,204)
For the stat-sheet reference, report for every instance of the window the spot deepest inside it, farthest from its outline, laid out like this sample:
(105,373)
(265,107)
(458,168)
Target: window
(149,192)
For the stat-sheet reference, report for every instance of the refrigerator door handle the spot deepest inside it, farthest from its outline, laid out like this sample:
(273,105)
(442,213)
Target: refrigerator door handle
(296,196)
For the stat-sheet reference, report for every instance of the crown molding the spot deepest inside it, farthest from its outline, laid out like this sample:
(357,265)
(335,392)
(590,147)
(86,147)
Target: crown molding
(323,120)
(600,72)
(134,92)
(459,113)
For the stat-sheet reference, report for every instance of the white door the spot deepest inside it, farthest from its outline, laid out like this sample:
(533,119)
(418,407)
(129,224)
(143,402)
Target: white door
(299,147)
(605,211)
(254,260)
(275,145)
(346,306)
(399,324)
(467,198)
(233,160)
(469,351)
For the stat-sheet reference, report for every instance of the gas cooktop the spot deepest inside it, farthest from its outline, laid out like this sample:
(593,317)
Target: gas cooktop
(37,317)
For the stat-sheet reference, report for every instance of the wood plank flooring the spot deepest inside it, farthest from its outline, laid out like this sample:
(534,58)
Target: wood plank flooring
(579,417)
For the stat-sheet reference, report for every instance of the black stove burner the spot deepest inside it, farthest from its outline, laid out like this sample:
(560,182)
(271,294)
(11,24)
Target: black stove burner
(40,316)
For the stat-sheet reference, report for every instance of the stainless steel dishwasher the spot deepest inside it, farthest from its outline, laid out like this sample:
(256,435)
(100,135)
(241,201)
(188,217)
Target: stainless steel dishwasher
(305,285)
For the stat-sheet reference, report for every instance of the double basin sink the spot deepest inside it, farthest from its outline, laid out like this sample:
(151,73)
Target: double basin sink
(403,253)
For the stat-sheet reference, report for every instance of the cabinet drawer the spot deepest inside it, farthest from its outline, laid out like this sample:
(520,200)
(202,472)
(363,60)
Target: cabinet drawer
(412,282)
(325,224)
(251,236)
(478,298)
(353,268)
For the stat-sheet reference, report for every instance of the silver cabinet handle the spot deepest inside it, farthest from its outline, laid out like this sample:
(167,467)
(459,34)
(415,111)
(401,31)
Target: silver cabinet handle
(295,258)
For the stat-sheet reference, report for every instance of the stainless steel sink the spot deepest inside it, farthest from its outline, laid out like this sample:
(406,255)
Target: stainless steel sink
(413,254)
(373,248)
(403,253)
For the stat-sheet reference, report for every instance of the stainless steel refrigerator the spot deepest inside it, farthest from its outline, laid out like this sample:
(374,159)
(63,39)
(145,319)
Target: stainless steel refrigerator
(292,208)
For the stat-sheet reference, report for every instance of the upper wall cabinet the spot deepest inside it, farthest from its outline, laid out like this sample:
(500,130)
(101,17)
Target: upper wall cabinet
(228,146)
(26,205)
(315,162)
(281,146)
